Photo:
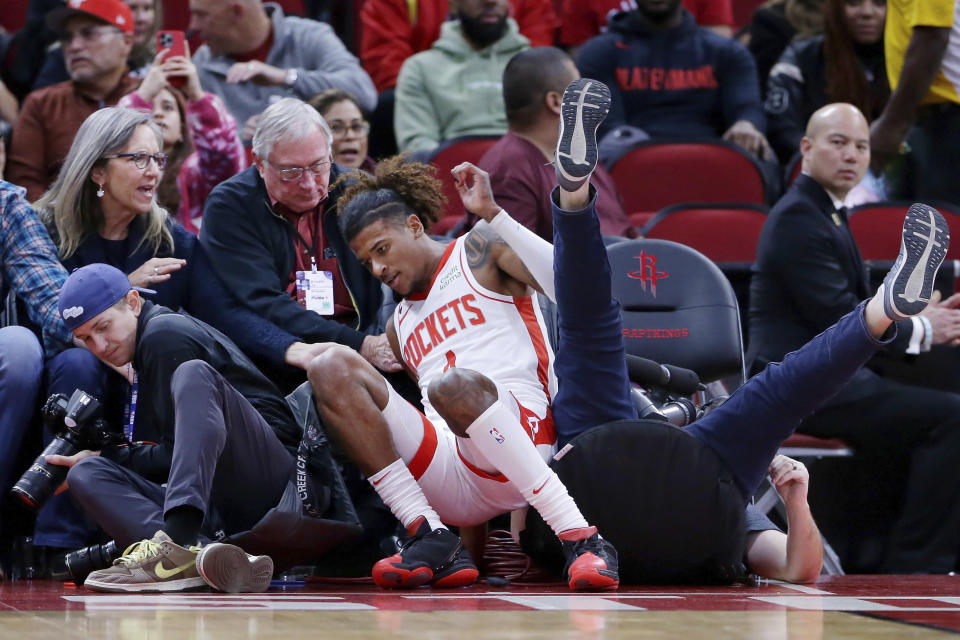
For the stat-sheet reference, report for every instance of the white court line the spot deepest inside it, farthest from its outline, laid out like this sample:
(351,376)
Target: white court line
(799,587)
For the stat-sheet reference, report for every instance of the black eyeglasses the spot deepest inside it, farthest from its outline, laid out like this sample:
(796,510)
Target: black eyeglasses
(357,128)
(141,158)
(295,173)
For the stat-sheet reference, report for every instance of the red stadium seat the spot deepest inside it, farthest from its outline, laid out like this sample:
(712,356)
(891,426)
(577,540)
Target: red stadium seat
(877,226)
(722,232)
(792,170)
(446,157)
(656,174)
(727,234)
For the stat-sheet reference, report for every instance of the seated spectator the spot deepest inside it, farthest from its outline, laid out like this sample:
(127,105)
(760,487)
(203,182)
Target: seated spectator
(674,79)
(9,110)
(774,25)
(199,137)
(808,274)
(27,49)
(844,64)
(254,55)
(350,129)
(394,30)
(147,19)
(580,20)
(278,217)
(455,88)
(96,37)
(519,164)
(29,267)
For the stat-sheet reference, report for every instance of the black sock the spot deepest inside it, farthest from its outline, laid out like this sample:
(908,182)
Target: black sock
(182,524)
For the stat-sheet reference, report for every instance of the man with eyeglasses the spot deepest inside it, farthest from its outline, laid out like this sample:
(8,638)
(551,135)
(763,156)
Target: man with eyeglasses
(96,36)
(271,234)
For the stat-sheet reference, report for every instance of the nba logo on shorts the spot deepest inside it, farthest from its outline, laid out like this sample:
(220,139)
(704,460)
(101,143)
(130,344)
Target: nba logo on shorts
(496,435)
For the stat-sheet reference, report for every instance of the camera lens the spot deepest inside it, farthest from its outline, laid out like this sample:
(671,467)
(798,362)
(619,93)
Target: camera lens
(83,561)
(39,482)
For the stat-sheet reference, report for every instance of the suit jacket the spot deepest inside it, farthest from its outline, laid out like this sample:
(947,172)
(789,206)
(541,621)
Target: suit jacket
(807,275)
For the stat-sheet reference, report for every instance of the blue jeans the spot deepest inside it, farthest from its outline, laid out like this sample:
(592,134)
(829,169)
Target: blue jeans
(59,522)
(21,373)
(746,431)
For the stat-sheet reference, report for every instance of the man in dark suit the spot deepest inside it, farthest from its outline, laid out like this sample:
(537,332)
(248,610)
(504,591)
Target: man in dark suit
(809,273)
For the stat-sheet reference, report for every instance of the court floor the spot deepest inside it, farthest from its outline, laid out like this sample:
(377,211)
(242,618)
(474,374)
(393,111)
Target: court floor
(834,607)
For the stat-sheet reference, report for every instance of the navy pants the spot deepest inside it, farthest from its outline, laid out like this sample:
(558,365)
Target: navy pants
(746,431)
(227,462)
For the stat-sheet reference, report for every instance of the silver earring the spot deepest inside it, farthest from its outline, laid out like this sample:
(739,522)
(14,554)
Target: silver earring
(99,190)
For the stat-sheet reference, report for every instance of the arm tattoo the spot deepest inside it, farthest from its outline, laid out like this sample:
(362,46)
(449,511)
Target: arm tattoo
(479,246)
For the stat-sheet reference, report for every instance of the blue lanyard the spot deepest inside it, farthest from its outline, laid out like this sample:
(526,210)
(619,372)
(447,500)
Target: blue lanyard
(131,412)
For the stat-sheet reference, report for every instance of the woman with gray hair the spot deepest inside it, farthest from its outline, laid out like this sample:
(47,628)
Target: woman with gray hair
(102,206)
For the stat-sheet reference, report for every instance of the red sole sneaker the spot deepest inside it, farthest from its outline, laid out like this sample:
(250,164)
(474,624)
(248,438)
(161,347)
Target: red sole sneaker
(461,578)
(387,575)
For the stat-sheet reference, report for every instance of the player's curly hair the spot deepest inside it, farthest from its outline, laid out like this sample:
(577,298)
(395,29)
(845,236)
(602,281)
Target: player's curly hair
(397,189)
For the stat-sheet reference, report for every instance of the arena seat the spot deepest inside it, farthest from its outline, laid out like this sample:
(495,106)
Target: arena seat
(445,157)
(655,174)
(725,233)
(877,227)
(678,307)
(792,170)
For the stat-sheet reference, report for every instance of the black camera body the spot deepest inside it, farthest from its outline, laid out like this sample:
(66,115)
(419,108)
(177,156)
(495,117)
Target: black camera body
(77,424)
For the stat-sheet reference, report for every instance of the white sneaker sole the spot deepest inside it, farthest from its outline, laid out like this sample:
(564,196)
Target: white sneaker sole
(923,246)
(170,585)
(229,568)
(586,103)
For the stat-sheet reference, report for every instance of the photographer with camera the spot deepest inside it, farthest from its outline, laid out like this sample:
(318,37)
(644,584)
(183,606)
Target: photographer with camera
(224,431)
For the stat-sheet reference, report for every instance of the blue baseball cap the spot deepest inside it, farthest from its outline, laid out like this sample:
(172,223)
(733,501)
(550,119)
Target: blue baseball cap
(91,290)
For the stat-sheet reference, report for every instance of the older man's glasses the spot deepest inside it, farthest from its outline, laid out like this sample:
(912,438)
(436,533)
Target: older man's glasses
(141,158)
(293,174)
(86,34)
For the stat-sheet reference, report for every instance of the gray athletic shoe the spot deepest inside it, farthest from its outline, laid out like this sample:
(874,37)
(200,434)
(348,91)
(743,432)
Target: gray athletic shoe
(586,103)
(229,568)
(149,565)
(907,288)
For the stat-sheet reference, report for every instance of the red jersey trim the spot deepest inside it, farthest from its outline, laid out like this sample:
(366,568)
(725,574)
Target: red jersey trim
(525,309)
(443,261)
(428,447)
(498,477)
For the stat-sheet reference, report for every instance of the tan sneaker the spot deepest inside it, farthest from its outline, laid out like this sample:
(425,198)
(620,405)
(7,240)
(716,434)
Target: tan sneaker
(150,565)
(229,568)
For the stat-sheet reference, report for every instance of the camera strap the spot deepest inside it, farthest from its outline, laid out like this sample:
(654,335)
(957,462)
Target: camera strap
(131,411)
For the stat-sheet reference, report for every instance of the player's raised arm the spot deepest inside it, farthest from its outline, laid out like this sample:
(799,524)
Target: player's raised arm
(522,254)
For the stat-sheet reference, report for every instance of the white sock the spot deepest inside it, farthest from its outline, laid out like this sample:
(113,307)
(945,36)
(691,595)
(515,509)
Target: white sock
(505,444)
(399,490)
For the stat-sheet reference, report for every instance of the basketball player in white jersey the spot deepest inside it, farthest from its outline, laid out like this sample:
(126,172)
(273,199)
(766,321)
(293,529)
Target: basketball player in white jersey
(469,330)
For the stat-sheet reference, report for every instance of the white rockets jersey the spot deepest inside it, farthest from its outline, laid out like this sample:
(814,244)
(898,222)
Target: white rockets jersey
(459,323)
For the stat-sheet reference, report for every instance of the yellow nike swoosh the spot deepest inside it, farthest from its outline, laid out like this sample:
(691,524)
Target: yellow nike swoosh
(163,574)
